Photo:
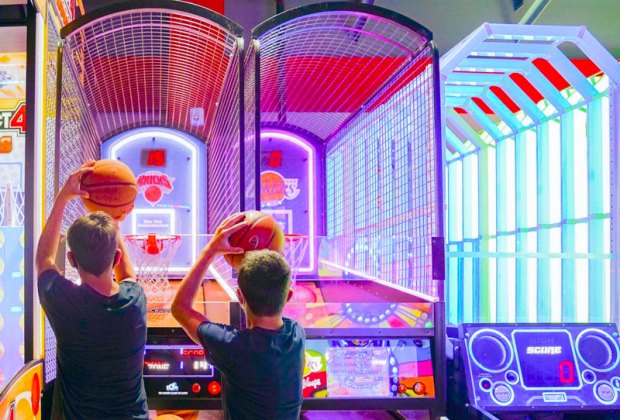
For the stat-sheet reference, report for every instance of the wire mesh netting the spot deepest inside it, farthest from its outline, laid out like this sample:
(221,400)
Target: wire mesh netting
(382,182)
(223,153)
(12,201)
(53,38)
(317,71)
(152,255)
(295,247)
(151,67)
(249,142)
(78,137)
(367,87)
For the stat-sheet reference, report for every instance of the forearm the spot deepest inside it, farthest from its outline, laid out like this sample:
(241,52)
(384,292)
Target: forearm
(182,305)
(124,269)
(50,236)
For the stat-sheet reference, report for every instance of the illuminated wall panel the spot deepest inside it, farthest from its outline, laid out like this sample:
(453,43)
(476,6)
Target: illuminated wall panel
(529,223)
(544,176)
(12,212)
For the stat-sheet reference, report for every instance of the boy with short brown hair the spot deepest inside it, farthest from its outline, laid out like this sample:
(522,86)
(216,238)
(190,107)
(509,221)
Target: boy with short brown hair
(262,365)
(100,325)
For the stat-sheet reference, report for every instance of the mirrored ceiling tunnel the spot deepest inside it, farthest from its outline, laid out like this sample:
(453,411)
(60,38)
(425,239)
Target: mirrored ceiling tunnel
(151,64)
(531,118)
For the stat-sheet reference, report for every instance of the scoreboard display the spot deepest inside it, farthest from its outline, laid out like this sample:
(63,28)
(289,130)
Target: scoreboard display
(533,367)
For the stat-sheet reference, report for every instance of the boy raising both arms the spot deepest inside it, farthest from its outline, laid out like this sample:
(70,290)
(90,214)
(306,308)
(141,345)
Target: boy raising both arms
(100,325)
(262,366)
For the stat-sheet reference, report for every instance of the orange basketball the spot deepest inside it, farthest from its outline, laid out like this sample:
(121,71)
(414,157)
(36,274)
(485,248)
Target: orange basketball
(262,232)
(111,188)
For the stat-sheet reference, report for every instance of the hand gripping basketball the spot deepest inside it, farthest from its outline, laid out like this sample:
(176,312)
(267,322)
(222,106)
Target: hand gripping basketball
(260,232)
(111,187)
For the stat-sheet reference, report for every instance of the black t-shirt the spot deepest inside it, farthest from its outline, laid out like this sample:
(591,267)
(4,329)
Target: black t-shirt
(99,349)
(262,370)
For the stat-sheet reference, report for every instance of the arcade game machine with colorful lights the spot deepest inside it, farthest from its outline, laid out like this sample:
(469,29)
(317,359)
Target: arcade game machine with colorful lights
(533,290)
(350,166)
(20,375)
(156,85)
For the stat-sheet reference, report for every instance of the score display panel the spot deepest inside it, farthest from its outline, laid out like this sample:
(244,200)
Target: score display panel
(178,376)
(533,367)
(546,360)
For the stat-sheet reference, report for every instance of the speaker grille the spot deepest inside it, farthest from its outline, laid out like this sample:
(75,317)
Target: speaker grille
(491,351)
(598,350)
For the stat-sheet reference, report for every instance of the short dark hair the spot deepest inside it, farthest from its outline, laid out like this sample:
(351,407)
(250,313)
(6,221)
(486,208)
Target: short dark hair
(93,243)
(264,280)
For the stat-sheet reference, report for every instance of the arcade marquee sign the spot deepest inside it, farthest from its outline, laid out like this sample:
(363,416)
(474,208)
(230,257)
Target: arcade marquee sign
(12,122)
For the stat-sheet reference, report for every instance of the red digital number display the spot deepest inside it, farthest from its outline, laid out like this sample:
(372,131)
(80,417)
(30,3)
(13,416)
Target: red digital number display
(272,159)
(153,157)
(567,372)
(193,352)
(157,157)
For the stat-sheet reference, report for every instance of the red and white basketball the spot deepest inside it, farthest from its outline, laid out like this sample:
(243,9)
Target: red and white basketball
(262,232)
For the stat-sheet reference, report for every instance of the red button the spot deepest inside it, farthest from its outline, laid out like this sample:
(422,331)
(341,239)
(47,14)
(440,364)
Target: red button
(196,388)
(419,388)
(214,388)
(402,388)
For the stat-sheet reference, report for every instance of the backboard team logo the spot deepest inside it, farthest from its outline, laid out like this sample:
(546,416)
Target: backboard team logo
(274,188)
(153,185)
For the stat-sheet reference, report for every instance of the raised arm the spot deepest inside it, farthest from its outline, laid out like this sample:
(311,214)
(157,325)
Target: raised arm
(48,242)
(182,305)
(124,269)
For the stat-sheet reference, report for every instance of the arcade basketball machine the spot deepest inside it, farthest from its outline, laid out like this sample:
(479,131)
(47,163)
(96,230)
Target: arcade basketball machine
(158,85)
(531,149)
(350,161)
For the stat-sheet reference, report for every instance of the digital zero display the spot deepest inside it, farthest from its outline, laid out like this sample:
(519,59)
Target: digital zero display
(272,158)
(153,157)
(546,360)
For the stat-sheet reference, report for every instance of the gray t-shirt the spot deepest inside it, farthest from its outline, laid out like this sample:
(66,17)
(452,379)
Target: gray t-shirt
(100,349)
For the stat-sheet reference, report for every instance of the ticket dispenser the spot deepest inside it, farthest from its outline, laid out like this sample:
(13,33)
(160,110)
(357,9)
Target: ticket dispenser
(562,368)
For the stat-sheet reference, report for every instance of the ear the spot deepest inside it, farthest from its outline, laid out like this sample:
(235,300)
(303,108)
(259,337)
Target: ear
(240,296)
(289,296)
(117,257)
(71,259)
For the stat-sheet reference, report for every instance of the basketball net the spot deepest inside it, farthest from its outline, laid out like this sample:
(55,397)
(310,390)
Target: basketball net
(295,246)
(11,206)
(152,255)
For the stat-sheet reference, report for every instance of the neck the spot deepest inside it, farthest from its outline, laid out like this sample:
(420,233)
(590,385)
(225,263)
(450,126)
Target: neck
(267,322)
(103,284)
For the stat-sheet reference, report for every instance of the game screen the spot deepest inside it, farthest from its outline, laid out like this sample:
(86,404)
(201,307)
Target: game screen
(546,360)
(390,368)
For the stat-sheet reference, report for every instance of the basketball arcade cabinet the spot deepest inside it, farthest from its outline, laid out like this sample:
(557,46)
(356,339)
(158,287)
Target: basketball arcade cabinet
(127,91)
(363,183)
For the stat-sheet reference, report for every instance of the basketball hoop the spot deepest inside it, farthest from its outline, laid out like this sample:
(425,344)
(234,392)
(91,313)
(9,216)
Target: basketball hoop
(152,255)
(11,206)
(295,246)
